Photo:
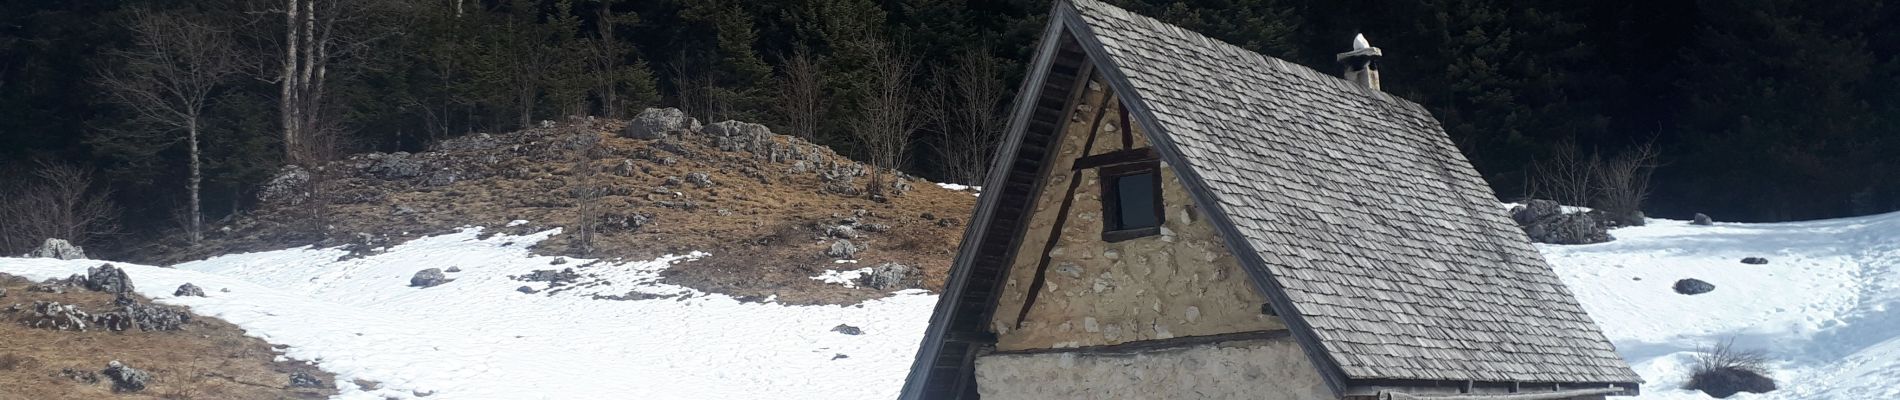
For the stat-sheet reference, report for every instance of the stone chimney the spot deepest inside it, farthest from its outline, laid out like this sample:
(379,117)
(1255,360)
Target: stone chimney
(1362,63)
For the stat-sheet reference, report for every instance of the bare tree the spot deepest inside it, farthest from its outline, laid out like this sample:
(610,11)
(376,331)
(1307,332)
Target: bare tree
(801,95)
(586,189)
(1622,183)
(969,98)
(888,115)
(1567,176)
(167,78)
(61,203)
(318,33)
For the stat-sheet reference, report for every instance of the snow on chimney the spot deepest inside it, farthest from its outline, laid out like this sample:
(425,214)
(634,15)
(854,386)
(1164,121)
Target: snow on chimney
(1362,63)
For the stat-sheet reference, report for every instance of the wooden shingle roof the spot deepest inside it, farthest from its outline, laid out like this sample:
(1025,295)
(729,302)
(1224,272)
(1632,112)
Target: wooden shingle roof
(1372,225)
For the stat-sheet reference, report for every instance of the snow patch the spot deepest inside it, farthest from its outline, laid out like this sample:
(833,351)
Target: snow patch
(848,278)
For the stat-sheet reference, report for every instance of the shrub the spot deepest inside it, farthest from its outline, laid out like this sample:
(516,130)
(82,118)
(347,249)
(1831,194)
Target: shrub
(1722,370)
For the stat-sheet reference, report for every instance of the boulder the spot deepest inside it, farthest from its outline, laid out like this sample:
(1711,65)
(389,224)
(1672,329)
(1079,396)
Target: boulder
(189,289)
(1702,219)
(891,275)
(847,329)
(1754,260)
(1725,381)
(58,248)
(428,278)
(657,123)
(125,378)
(561,277)
(1693,286)
(842,249)
(302,379)
(109,279)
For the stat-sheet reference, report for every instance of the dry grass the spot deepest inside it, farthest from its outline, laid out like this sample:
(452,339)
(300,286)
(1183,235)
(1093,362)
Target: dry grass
(209,359)
(762,223)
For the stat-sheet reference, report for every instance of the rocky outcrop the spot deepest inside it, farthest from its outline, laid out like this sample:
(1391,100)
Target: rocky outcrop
(125,378)
(1702,219)
(1544,221)
(891,275)
(290,186)
(58,248)
(55,316)
(658,123)
(144,316)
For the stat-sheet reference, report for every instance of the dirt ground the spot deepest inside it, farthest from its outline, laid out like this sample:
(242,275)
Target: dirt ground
(208,359)
(764,217)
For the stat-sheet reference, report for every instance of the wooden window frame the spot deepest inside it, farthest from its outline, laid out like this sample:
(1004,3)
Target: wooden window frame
(1110,166)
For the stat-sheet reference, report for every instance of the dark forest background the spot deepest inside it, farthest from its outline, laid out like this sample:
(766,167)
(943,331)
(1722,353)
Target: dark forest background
(1758,110)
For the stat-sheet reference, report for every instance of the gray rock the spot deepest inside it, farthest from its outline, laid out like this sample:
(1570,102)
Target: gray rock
(699,179)
(891,275)
(189,289)
(58,248)
(440,178)
(1702,219)
(874,227)
(109,279)
(125,378)
(558,261)
(842,249)
(842,232)
(1534,210)
(302,379)
(453,269)
(656,123)
(3,293)
(525,289)
(1754,260)
(428,278)
(1693,286)
(290,186)
(847,329)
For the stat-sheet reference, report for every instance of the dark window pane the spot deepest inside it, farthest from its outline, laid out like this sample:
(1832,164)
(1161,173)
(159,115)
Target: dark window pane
(1136,197)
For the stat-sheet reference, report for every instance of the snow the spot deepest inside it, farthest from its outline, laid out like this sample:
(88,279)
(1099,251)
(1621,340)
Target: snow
(974,190)
(477,338)
(848,278)
(1826,309)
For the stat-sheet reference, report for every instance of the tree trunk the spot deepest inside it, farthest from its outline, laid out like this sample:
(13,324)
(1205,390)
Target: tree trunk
(286,106)
(196,179)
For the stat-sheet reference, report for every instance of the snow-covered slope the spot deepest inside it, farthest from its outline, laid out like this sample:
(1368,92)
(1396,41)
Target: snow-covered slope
(1826,308)
(478,338)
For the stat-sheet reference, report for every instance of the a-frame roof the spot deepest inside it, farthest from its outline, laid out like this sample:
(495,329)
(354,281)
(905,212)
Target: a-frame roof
(1371,235)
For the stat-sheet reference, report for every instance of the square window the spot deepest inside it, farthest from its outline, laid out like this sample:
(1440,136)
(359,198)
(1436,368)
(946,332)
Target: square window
(1131,201)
